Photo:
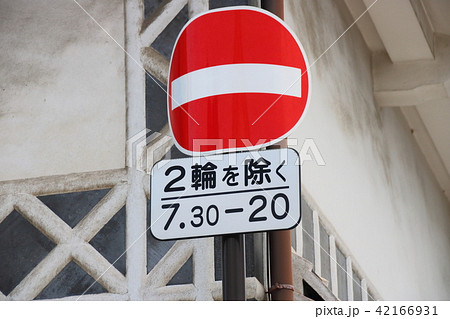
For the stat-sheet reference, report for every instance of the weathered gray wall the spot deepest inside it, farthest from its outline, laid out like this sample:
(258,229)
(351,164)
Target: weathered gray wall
(376,188)
(62,88)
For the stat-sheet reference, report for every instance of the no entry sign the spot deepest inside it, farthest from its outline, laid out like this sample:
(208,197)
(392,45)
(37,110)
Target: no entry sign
(225,194)
(238,79)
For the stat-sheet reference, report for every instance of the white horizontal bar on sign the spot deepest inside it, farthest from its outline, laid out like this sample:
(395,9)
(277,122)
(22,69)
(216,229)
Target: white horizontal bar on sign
(236,78)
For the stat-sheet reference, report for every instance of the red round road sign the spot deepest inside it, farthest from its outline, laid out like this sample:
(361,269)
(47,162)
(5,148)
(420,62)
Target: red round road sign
(238,79)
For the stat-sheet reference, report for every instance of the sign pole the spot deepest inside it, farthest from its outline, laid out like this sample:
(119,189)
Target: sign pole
(281,278)
(233,267)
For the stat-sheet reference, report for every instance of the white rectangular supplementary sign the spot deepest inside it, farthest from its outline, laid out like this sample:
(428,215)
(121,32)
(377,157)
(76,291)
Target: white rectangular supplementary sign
(225,194)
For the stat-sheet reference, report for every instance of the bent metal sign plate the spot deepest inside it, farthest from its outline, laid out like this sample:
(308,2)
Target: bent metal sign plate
(225,194)
(238,80)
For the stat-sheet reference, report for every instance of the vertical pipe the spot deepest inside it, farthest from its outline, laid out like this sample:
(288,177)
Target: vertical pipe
(233,267)
(281,279)
(282,287)
(274,6)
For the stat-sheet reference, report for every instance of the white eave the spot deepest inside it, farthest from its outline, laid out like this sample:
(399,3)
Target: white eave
(410,41)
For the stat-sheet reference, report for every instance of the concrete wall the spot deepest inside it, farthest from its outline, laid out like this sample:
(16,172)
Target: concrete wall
(62,88)
(376,188)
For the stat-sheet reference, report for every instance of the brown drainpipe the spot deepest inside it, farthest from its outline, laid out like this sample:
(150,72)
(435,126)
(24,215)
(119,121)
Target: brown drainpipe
(274,6)
(281,281)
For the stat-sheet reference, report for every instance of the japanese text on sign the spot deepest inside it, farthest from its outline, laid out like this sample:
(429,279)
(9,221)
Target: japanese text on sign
(207,197)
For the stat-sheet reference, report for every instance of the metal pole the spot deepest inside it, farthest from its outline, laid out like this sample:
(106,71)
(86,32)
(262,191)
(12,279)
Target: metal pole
(281,279)
(274,6)
(233,267)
